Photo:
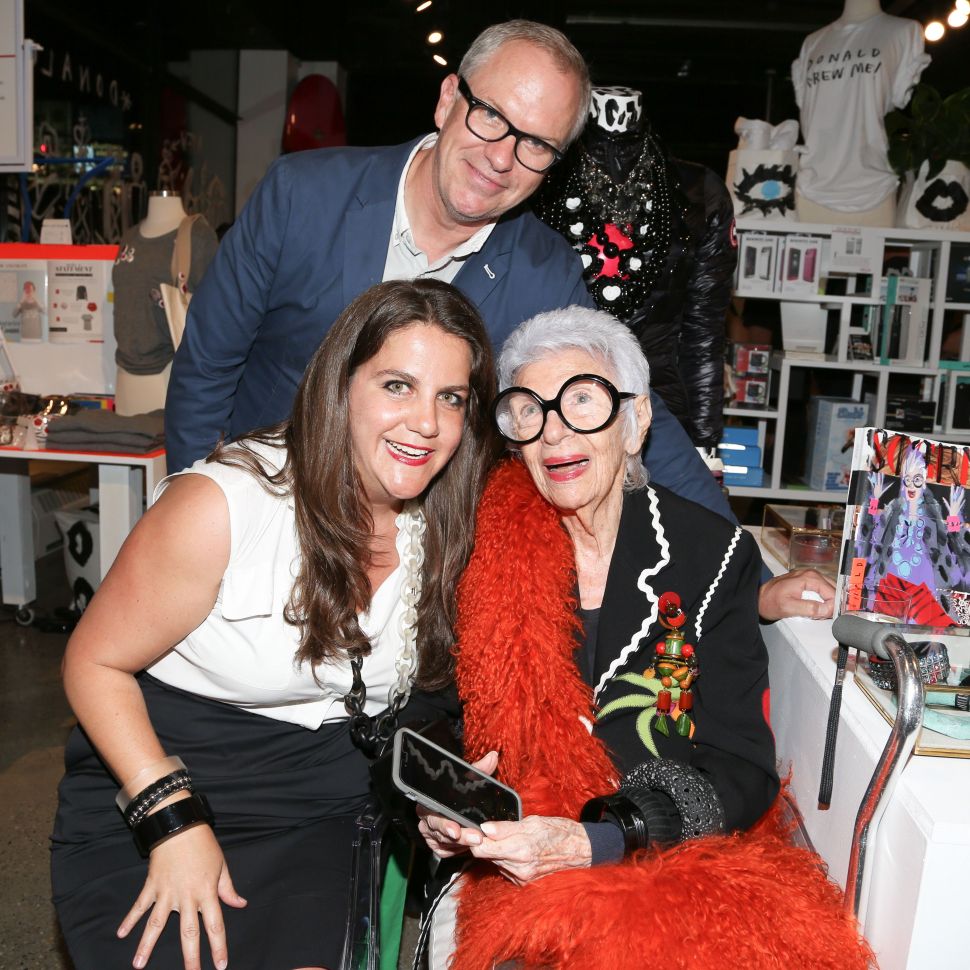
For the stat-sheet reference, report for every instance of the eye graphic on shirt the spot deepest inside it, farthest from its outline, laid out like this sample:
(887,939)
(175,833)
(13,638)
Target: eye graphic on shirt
(767,189)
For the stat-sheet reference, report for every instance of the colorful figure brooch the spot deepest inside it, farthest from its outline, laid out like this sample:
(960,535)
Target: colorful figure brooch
(668,682)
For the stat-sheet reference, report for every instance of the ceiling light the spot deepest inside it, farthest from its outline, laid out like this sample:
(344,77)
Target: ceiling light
(934,30)
(435,37)
(962,5)
(957,18)
(438,59)
(427,3)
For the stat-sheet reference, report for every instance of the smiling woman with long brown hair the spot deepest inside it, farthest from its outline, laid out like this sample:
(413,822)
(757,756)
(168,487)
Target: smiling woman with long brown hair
(264,617)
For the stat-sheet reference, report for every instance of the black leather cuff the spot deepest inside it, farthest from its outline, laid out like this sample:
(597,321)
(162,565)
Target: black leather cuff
(623,813)
(171,820)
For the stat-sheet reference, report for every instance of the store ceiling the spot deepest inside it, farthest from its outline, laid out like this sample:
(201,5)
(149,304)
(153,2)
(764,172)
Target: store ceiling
(700,63)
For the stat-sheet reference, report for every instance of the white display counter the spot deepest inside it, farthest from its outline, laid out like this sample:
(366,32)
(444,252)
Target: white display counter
(915,897)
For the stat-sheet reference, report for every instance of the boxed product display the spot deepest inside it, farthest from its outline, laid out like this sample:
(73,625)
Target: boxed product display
(831,430)
(800,264)
(909,414)
(750,359)
(803,328)
(804,535)
(958,274)
(756,263)
(749,456)
(751,391)
(741,476)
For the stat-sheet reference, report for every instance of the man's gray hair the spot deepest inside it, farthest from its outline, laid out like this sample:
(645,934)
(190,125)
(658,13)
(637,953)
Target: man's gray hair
(593,332)
(553,41)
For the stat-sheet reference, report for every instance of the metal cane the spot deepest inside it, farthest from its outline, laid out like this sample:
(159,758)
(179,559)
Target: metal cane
(885,642)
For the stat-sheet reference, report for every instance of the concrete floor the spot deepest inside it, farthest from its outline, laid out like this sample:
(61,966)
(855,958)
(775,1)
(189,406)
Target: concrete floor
(34,723)
(35,719)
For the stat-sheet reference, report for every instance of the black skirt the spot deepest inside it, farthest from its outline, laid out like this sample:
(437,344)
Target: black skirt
(285,800)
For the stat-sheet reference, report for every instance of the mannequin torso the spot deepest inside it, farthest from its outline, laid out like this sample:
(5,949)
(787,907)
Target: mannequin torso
(855,11)
(165,213)
(144,355)
(847,76)
(654,237)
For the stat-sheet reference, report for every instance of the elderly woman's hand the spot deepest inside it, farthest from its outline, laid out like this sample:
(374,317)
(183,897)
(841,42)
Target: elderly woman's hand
(535,847)
(444,837)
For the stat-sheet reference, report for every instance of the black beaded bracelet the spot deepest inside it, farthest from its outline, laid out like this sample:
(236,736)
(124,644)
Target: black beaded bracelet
(149,797)
(170,820)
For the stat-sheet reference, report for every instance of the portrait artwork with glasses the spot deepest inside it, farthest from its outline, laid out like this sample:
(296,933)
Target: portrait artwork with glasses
(586,403)
(906,546)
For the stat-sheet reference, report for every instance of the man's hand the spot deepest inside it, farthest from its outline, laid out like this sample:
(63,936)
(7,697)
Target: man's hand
(782,596)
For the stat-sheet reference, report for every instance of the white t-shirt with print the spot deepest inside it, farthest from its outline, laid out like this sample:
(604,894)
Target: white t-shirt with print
(847,77)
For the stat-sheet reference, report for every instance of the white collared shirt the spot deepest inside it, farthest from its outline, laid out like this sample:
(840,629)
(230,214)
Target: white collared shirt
(405,259)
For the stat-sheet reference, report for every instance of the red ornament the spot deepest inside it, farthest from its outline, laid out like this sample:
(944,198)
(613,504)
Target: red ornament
(669,603)
(661,649)
(687,651)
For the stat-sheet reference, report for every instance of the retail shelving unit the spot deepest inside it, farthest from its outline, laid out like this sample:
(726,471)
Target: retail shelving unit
(876,376)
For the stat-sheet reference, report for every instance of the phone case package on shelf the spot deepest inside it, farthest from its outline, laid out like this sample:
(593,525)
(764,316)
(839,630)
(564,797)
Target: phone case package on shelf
(800,264)
(756,264)
(831,428)
(751,391)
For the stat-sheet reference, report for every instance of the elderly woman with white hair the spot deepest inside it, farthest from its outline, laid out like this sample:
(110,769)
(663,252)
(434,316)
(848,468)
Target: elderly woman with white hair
(613,672)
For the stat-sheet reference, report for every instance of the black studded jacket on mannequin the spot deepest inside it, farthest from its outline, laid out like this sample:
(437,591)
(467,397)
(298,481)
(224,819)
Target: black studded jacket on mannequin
(656,236)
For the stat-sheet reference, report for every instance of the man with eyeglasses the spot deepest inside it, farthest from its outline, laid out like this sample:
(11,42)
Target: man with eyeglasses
(324,225)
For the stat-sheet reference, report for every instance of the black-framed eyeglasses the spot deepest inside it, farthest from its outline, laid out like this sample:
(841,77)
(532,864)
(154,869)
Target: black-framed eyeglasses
(586,403)
(483,121)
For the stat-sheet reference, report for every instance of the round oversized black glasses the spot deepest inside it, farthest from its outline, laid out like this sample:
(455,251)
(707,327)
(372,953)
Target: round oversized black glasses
(586,403)
(483,121)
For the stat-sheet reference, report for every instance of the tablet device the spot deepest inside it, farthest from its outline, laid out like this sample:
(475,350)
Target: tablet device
(444,783)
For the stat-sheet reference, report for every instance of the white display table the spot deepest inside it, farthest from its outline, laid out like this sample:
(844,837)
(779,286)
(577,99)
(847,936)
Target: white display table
(121,488)
(915,908)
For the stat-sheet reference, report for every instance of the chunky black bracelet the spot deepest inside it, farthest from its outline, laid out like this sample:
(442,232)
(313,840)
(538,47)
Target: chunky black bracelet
(170,820)
(624,814)
(149,797)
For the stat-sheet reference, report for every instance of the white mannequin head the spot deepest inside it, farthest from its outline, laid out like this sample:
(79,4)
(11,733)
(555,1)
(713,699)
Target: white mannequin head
(615,109)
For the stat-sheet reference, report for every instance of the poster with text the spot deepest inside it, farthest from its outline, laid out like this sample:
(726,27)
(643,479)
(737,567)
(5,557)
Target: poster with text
(23,300)
(77,293)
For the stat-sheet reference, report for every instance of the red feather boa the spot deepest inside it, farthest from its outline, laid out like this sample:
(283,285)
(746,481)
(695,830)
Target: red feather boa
(748,900)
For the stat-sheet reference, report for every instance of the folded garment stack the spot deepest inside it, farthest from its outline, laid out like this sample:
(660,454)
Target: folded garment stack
(95,430)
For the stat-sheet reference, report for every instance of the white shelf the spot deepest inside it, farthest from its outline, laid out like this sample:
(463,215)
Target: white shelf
(792,493)
(828,362)
(889,233)
(868,375)
(768,414)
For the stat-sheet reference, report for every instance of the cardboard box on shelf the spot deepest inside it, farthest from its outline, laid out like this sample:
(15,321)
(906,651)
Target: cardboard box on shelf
(739,454)
(742,476)
(803,327)
(831,430)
